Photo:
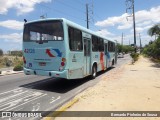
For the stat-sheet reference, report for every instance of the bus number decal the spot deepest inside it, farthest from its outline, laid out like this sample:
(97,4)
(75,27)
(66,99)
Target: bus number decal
(29,50)
(96,56)
(30,65)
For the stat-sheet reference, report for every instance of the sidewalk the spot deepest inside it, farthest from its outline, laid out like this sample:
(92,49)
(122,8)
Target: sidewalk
(8,71)
(128,88)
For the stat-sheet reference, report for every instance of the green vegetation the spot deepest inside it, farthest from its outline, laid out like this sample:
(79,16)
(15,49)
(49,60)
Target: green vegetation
(0,72)
(18,65)
(10,61)
(13,58)
(1,52)
(124,48)
(134,56)
(15,53)
(155,30)
(153,48)
(18,68)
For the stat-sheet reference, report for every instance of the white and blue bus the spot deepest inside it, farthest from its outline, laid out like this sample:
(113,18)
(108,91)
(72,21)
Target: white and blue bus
(63,49)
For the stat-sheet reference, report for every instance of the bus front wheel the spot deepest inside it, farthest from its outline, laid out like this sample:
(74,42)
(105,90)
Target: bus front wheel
(94,72)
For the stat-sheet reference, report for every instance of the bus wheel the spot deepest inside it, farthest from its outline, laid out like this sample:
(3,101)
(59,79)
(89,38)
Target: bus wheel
(94,72)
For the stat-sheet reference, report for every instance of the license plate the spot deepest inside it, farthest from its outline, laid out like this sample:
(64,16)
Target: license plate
(42,63)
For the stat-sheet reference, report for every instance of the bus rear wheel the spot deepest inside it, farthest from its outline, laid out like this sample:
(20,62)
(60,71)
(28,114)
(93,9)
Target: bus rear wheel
(94,72)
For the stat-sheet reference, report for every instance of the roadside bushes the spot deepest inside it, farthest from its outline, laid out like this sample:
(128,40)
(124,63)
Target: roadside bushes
(0,72)
(134,56)
(18,66)
(153,49)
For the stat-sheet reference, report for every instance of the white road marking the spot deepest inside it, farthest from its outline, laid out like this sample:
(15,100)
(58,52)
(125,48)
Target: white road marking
(53,100)
(9,91)
(14,102)
(27,94)
(11,96)
(36,107)
(26,102)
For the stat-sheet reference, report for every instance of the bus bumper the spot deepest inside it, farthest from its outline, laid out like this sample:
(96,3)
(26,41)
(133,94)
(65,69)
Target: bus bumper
(56,74)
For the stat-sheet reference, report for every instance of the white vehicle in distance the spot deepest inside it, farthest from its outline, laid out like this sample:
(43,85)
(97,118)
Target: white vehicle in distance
(120,55)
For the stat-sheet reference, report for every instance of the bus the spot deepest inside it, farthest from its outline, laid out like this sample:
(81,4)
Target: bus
(60,48)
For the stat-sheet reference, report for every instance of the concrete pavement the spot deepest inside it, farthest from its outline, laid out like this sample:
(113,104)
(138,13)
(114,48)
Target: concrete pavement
(8,71)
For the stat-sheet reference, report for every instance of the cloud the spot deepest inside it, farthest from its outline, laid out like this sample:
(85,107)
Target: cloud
(143,18)
(12,24)
(104,32)
(21,6)
(12,38)
(111,21)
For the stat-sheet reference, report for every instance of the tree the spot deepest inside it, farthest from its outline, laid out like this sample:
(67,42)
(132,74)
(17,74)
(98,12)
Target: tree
(153,49)
(1,52)
(155,30)
(124,48)
(16,53)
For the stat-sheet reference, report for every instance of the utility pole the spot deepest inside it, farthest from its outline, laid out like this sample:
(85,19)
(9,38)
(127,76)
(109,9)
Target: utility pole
(133,15)
(140,42)
(87,16)
(89,13)
(122,40)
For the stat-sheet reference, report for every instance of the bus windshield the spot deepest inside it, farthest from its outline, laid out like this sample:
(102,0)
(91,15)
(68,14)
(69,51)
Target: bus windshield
(44,30)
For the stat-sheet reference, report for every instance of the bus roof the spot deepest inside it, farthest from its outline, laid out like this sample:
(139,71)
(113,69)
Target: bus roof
(71,24)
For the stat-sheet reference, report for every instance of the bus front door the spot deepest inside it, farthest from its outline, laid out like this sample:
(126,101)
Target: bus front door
(87,56)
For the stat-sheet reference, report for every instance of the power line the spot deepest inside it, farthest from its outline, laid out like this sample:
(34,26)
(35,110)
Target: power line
(80,2)
(79,10)
(53,9)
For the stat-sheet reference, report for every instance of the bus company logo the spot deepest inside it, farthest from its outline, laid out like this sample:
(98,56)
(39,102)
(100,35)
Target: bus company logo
(50,54)
(6,114)
(29,51)
(74,58)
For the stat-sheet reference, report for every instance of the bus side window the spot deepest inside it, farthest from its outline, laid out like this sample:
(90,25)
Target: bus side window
(111,46)
(101,45)
(75,39)
(94,44)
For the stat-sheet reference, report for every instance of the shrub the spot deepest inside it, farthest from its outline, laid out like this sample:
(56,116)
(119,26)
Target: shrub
(0,72)
(18,68)
(1,52)
(7,62)
(134,56)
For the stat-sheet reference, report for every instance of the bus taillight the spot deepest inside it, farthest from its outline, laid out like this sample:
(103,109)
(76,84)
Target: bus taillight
(62,64)
(24,60)
(63,59)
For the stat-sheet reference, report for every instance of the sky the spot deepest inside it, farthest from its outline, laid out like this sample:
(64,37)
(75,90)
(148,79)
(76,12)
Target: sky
(107,17)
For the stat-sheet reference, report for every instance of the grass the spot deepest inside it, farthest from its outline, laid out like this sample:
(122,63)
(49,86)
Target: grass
(9,61)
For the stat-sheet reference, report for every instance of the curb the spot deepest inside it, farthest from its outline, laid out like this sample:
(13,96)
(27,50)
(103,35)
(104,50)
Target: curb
(11,73)
(61,109)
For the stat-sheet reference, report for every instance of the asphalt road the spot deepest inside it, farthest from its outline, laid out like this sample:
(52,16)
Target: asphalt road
(21,92)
